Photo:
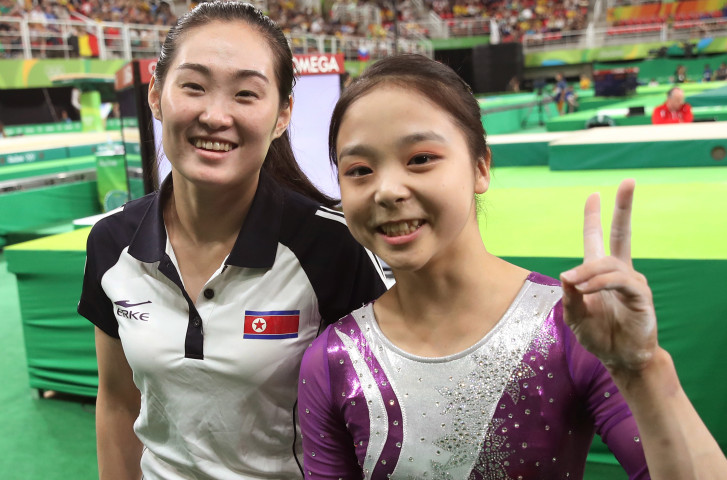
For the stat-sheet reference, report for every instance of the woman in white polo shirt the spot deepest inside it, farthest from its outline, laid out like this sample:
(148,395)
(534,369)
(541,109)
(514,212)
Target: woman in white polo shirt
(206,293)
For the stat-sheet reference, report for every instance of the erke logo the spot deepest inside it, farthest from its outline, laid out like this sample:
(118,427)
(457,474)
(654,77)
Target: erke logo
(122,310)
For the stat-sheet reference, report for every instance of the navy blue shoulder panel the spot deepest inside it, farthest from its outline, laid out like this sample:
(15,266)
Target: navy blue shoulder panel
(106,241)
(343,274)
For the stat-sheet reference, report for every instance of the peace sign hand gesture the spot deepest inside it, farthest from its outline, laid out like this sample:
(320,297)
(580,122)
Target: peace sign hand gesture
(606,303)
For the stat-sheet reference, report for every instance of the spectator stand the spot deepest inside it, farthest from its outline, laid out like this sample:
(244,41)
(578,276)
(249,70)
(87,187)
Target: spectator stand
(668,21)
(98,30)
(111,40)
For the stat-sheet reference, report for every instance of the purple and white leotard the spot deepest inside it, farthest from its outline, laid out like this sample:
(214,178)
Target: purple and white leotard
(522,403)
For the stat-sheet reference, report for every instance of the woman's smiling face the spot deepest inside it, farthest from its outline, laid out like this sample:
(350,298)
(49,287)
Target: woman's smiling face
(408,180)
(219,105)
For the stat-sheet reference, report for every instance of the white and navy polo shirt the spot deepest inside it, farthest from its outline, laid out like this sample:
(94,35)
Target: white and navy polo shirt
(218,377)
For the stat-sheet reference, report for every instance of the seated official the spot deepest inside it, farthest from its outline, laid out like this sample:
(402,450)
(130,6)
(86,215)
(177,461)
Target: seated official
(673,110)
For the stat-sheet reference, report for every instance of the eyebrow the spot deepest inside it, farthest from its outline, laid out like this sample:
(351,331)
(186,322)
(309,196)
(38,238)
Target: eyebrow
(420,137)
(358,151)
(370,152)
(239,74)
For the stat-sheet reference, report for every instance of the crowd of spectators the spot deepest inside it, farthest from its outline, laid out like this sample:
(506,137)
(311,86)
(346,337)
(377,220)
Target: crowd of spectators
(344,18)
(539,18)
(47,35)
(374,19)
(127,11)
(515,20)
(697,17)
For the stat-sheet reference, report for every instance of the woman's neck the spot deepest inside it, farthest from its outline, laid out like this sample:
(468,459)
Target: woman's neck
(445,309)
(203,225)
(208,215)
(474,285)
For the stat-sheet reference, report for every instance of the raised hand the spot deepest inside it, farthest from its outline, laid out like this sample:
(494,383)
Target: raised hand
(606,303)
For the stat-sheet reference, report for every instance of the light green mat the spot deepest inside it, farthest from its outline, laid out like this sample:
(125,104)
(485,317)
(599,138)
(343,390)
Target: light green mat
(646,96)
(70,241)
(23,170)
(678,212)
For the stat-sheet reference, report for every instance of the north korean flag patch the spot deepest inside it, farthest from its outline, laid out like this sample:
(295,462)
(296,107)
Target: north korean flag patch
(271,325)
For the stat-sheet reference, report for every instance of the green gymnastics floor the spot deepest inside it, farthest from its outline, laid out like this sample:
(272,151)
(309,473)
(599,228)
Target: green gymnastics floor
(533,217)
(678,212)
(530,216)
(46,167)
(648,97)
(625,147)
(513,112)
(32,212)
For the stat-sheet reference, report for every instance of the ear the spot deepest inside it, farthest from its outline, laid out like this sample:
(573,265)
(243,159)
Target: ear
(482,172)
(154,98)
(284,116)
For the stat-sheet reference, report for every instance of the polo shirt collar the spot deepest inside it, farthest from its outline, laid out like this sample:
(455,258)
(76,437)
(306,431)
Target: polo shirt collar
(256,244)
(150,239)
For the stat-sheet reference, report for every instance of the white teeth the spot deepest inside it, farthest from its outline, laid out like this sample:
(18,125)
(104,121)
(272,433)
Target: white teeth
(216,146)
(400,228)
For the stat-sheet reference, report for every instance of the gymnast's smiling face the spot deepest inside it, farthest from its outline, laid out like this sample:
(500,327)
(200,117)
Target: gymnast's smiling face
(408,184)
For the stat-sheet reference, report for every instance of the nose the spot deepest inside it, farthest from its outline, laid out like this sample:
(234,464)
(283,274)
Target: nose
(215,115)
(391,188)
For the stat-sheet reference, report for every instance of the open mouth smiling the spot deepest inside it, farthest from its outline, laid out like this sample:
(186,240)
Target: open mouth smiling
(397,229)
(213,145)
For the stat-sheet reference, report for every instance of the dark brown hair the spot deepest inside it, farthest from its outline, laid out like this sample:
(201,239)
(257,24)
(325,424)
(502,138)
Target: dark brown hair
(434,80)
(280,161)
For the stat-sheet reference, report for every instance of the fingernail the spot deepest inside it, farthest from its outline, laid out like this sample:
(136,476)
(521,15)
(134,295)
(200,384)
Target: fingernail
(568,275)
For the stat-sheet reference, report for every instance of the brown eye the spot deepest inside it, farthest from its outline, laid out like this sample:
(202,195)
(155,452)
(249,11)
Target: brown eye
(193,86)
(358,171)
(420,159)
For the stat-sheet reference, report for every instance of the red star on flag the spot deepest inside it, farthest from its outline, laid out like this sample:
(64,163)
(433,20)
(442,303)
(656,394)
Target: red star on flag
(259,325)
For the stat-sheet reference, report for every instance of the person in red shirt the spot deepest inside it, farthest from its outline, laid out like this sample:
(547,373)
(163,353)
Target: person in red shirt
(674,110)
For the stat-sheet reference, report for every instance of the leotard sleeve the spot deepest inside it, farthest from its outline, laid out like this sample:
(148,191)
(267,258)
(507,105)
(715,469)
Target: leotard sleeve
(327,445)
(611,415)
